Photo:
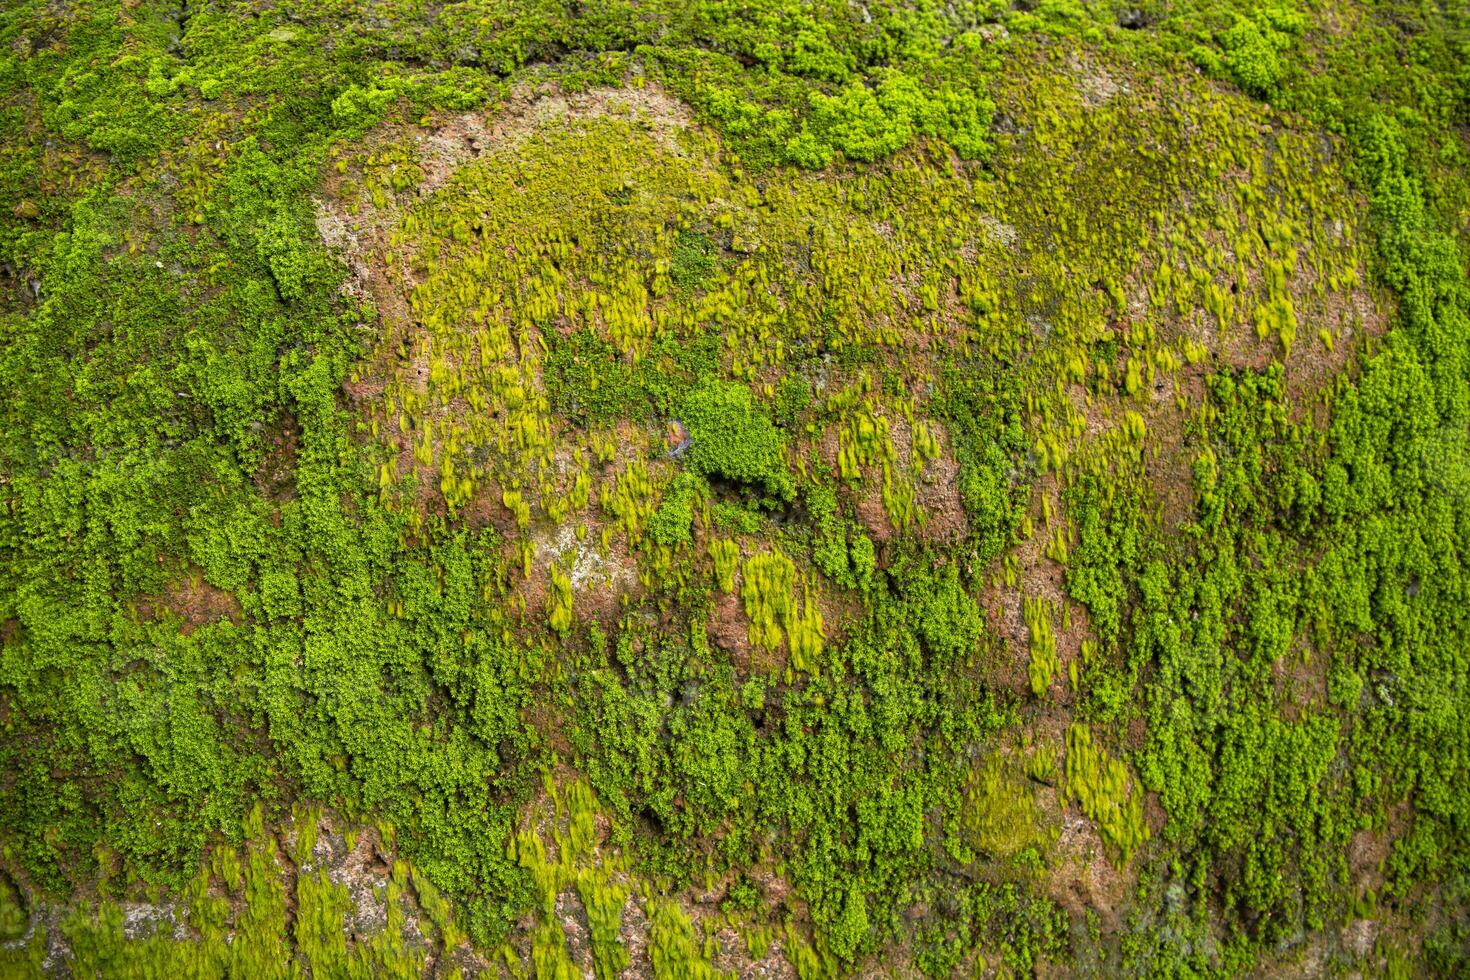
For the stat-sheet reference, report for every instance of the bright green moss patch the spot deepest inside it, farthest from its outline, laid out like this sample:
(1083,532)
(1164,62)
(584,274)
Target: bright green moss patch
(733,439)
(1102,787)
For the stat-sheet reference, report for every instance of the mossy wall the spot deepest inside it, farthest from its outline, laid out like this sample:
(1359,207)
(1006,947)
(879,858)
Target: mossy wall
(810,481)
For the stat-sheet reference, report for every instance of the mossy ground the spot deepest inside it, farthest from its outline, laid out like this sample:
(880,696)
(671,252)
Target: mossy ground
(683,490)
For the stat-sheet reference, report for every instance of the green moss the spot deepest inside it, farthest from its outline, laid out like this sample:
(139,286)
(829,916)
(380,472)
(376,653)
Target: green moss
(694,259)
(947,300)
(735,440)
(1102,787)
(1000,817)
(673,522)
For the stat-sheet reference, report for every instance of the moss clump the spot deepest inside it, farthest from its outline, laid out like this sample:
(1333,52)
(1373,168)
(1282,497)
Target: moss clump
(735,440)
(1044,664)
(1102,786)
(673,522)
(693,259)
(1000,817)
